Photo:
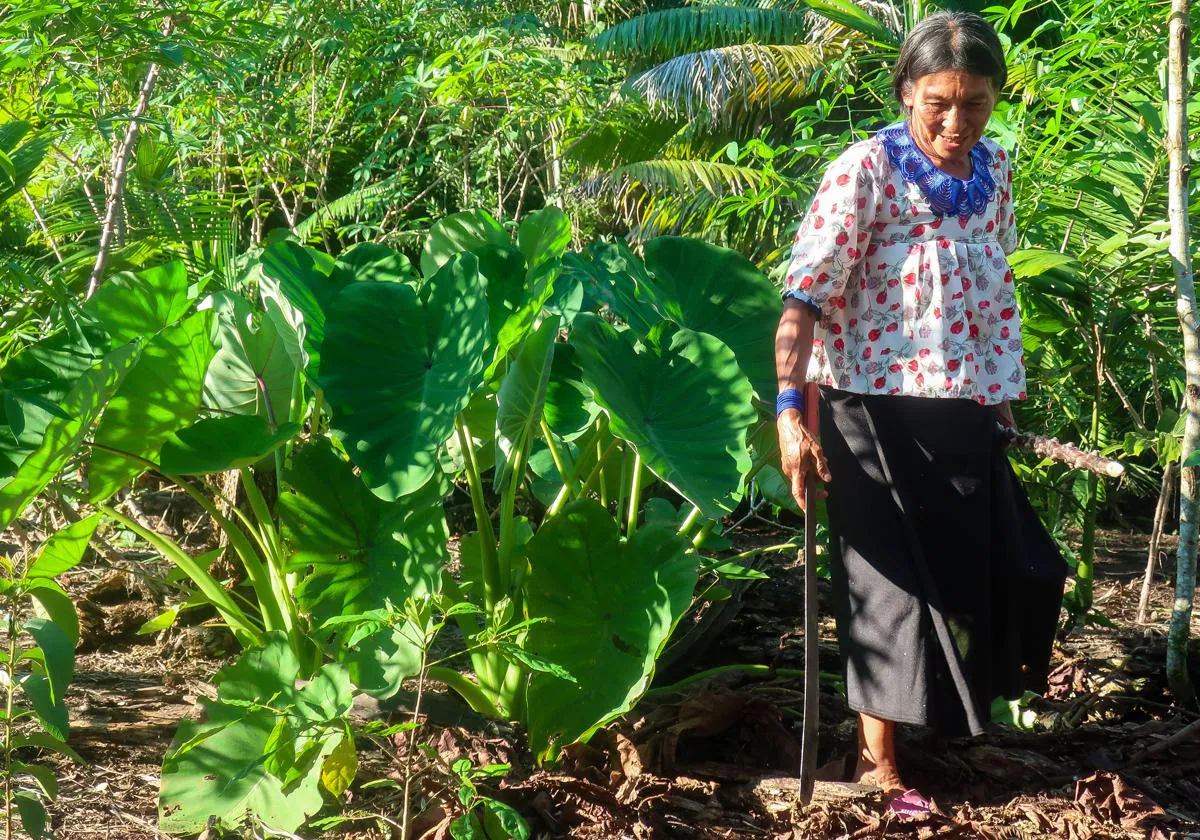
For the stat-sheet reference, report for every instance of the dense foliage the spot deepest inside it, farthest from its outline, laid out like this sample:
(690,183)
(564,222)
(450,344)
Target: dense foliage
(363,258)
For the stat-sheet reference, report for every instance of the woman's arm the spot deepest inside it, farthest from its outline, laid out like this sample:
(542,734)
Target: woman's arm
(799,451)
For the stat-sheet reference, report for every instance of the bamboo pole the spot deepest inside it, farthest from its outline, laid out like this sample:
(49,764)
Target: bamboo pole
(1178,35)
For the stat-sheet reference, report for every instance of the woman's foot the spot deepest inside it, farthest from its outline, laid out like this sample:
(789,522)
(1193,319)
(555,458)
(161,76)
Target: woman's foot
(885,776)
(877,755)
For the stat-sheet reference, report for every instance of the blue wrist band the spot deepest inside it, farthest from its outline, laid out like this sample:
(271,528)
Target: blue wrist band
(789,398)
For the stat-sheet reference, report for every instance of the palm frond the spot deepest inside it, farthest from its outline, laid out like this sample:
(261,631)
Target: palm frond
(721,81)
(625,135)
(675,176)
(656,36)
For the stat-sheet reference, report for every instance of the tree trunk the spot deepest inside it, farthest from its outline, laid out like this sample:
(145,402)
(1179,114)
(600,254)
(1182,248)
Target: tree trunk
(116,192)
(1185,305)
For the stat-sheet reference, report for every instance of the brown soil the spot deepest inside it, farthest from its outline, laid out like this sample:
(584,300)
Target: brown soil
(716,759)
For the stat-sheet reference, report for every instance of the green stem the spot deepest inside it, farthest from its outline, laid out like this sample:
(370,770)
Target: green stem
(598,472)
(568,488)
(489,562)
(9,689)
(553,447)
(702,534)
(240,623)
(601,458)
(469,691)
(273,553)
(635,495)
(483,519)
(256,571)
(689,521)
(746,555)
(465,623)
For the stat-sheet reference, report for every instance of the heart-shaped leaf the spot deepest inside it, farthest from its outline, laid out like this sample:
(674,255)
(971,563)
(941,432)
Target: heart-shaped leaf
(685,406)
(398,367)
(717,291)
(611,607)
(222,443)
(359,553)
(159,396)
(456,234)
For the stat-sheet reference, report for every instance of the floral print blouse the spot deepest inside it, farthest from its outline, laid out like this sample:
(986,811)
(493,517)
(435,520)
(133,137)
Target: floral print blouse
(916,297)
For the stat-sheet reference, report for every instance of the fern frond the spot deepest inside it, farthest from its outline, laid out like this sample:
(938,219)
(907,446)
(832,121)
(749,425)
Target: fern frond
(346,208)
(720,81)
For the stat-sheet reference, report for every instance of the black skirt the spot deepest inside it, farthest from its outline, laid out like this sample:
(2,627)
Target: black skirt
(946,585)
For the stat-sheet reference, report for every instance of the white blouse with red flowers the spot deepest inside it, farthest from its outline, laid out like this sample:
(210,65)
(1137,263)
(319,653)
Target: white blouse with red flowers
(912,302)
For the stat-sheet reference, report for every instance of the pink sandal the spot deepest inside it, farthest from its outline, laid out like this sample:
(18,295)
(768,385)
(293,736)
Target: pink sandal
(910,805)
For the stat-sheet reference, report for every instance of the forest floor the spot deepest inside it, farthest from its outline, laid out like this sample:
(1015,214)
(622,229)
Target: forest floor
(716,759)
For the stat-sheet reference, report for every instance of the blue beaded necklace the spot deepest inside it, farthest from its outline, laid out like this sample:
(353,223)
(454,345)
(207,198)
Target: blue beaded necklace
(947,195)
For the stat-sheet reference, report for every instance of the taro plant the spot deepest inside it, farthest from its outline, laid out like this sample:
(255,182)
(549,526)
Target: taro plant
(265,747)
(480,368)
(37,664)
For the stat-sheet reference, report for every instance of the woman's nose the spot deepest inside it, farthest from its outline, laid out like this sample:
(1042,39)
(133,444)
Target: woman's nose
(952,121)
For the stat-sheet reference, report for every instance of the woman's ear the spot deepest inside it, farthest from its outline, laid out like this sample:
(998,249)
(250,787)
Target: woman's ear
(906,97)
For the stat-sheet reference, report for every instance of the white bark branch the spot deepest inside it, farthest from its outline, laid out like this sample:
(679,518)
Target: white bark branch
(116,192)
(1185,305)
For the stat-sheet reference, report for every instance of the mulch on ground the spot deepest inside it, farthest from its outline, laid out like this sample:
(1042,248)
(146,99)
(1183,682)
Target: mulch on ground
(714,759)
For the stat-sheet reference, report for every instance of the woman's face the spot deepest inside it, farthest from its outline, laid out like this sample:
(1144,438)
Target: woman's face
(948,111)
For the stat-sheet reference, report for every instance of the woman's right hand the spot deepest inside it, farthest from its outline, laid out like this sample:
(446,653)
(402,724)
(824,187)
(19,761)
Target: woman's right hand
(800,453)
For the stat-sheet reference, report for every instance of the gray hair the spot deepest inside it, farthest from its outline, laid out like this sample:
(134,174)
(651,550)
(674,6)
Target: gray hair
(950,41)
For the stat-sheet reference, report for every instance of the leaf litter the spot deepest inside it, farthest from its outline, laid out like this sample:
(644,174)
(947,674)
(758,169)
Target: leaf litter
(717,759)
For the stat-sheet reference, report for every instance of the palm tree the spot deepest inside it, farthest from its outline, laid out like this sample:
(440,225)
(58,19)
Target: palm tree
(712,80)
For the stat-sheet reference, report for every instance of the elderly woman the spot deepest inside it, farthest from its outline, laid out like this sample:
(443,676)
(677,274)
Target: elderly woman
(899,303)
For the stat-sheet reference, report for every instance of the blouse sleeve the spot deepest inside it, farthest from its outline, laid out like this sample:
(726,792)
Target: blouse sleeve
(836,230)
(1006,221)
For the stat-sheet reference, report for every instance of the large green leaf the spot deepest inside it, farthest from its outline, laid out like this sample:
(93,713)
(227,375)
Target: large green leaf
(657,35)
(159,396)
(309,280)
(63,437)
(58,655)
(399,365)
(569,408)
(684,405)
(64,549)
(522,393)
(134,305)
(220,767)
(222,443)
(613,275)
(253,371)
(38,378)
(369,262)
(611,607)
(515,296)
(457,233)
(359,553)
(544,235)
(717,291)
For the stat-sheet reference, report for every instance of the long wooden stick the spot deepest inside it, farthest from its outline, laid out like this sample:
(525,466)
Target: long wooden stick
(1064,453)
